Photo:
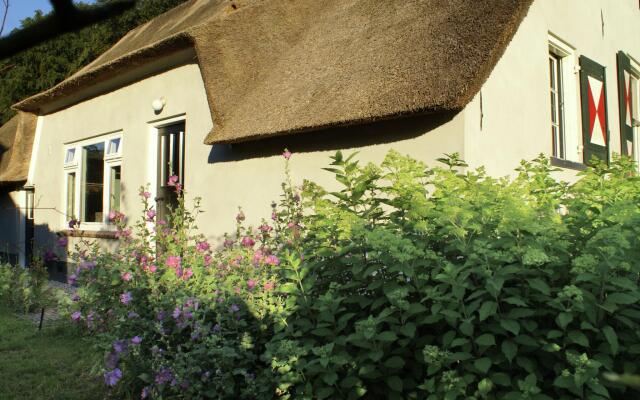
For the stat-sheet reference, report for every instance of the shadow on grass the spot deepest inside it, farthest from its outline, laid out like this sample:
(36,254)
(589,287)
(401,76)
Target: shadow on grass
(55,363)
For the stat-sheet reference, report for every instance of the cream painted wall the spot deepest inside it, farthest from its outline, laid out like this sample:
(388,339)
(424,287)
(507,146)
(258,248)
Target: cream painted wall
(225,177)
(515,99)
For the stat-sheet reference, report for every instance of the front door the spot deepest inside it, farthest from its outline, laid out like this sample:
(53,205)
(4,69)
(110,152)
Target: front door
(170,167)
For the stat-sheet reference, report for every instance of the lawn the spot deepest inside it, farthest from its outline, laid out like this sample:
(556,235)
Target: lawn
(52,364)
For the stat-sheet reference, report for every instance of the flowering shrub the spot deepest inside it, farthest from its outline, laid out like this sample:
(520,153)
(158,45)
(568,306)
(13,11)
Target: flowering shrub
(407,282)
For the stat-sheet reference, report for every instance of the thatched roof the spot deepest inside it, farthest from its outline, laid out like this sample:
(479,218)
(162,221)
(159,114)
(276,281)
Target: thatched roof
(273,67)
(16,141)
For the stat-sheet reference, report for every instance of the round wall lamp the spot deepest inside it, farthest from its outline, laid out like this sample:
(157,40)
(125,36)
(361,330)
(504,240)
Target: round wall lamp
(158,104)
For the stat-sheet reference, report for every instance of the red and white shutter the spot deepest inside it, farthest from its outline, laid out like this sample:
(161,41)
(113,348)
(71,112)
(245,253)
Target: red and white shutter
(593,92)
(624,99)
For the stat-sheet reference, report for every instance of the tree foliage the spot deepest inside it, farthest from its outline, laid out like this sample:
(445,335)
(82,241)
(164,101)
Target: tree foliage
(43,66)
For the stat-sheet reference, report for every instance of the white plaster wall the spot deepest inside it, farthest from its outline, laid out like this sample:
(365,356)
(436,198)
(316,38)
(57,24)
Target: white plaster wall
(225,177)
(11,223)
(515,99)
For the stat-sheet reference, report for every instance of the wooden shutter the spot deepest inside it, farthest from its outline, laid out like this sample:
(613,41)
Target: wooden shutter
(624,100)
(593,93)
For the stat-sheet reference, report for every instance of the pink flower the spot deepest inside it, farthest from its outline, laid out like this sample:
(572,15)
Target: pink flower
(257,257)
(162,222)
(202,246)
(272,260)
(188,273)
(173,179)
(150,268)
(274,216)
(174,261)
(145,194)
(112,215)
(63,241)
(207,260)
(286,154)
(126,276)
(75,317)
(228,243)
(151,214)
(247,241)
(251,284)
(72,279)
(269,286)
(264,228)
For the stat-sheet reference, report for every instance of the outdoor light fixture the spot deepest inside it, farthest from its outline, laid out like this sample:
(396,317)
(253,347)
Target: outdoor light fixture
(158,104)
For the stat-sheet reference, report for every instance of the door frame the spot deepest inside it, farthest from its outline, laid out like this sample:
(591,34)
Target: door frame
(152,156)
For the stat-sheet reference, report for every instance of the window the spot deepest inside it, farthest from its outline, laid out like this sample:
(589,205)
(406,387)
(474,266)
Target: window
(93,180)
(634,83)
(564,97)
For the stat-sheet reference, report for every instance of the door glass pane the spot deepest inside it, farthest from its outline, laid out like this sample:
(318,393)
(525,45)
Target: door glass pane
(114,195)
(93,183)
(71,195)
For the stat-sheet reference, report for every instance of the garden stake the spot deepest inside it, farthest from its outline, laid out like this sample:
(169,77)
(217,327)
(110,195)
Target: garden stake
(41,318)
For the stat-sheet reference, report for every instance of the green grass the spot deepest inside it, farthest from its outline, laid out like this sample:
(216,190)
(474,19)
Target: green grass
(52,364)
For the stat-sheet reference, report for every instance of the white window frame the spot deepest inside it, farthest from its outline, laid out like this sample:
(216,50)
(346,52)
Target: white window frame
(570,107)
(635,109)
(77,167)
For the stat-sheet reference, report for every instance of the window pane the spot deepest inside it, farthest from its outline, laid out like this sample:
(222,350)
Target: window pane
(93,183)
(71,195)
(71,153)
(114,195)
(114,146)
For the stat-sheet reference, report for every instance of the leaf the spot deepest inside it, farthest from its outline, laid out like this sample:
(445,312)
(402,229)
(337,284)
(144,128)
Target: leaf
(516,301)
(621,298)
(387,336)
(466,328)
(486,340)
(511,326)
(330,378)
(394,362)
(509,349)
(612,338)
(579,338)
(408,329)
(563,319)
(482,364)
(540,286)
(395,383)
(488,308)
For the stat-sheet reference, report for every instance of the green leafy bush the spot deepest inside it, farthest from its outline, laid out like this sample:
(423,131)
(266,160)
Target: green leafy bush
(24,289)
(408,282)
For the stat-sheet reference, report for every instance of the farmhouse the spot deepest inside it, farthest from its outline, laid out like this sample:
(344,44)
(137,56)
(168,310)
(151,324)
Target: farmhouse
(214,90)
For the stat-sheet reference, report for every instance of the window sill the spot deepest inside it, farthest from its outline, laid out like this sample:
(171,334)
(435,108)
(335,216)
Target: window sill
(562,163)
(89,234)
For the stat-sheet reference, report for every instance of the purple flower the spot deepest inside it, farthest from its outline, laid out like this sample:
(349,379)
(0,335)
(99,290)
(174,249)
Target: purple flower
(125,298)
(136,340)
(73,223)
(286,154)
(173,180)
(151,214)
(216,328)
(49,256)
(111,378)
(160,315)
(126,276)
(75,317)
(247,241)
(132,315)
(87,265)
(202,246)
(145,392)
(164,376)
(63,241)
(234,308)
(176,313)
(272,260)
(187,314)
(72,279)
(75,297)
(274,216)
(119,346)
